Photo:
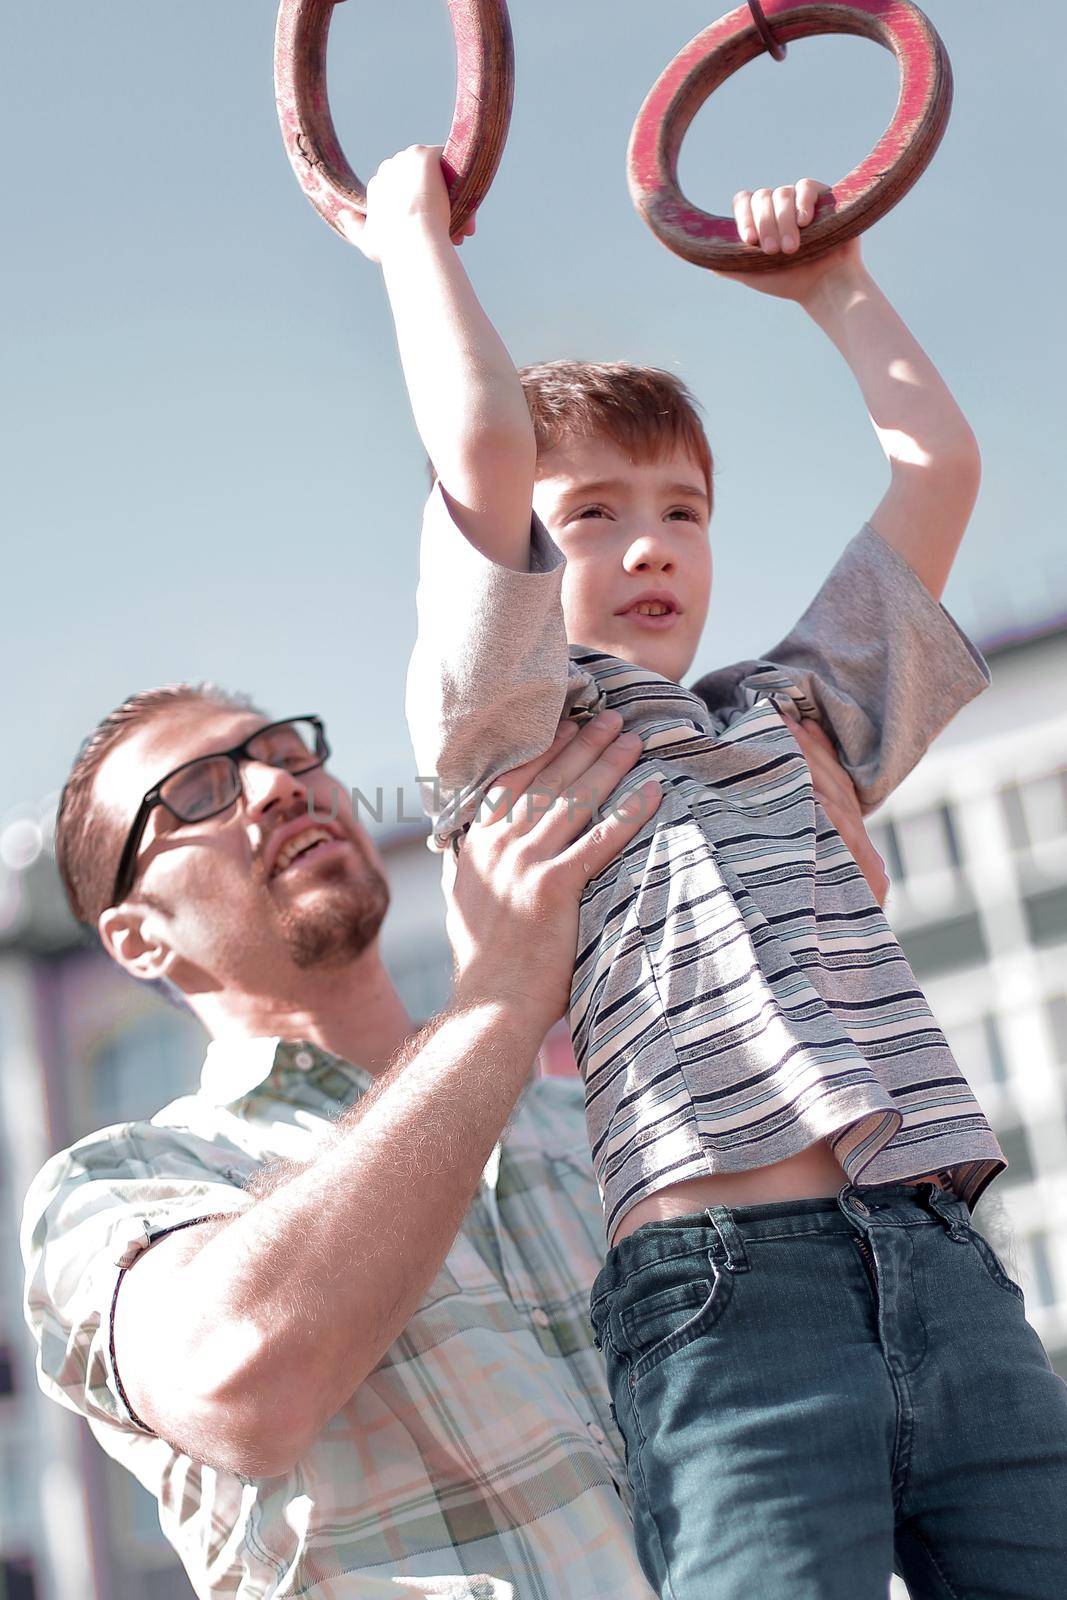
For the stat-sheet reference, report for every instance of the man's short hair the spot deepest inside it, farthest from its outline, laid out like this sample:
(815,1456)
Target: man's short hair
(648,413)
(87,847)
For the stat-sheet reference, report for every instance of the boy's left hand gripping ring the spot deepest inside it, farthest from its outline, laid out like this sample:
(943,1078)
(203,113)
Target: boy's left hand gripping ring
(485,82)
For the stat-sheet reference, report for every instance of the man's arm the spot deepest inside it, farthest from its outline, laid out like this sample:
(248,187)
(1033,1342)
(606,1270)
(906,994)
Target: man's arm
(238,1340)
(467,401)
(935,466)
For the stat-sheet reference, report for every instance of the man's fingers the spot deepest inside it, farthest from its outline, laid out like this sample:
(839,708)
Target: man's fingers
(602,843)
(823,761)
(511,786)
(568,769)
(574,762)
(581,801)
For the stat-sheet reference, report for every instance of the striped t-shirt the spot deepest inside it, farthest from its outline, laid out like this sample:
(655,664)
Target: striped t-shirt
(737,994)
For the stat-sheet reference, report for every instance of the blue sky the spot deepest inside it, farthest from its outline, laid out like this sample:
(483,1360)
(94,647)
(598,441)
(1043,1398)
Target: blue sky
(208,467)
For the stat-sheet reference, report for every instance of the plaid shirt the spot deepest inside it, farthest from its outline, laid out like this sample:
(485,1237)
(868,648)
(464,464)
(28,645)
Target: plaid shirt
(479,1460)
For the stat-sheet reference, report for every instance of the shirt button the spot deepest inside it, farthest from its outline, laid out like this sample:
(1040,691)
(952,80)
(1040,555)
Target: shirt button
(304,1059)
(597,1434)
(539,1317)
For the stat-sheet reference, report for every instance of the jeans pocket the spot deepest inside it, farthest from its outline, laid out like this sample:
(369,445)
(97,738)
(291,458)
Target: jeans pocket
(992,1263)
(656,1325)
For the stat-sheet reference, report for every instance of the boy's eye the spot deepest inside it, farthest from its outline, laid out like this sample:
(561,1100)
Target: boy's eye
(685,513)
(592,511)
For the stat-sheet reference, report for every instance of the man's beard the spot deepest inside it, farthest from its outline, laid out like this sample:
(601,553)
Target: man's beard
(335,925)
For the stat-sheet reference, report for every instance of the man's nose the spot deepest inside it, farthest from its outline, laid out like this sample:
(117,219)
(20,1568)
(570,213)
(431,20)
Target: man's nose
(651,553)
(266,787)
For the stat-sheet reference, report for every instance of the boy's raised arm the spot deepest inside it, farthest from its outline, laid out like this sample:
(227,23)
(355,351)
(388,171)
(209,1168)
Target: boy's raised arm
(933,456)
(467,400)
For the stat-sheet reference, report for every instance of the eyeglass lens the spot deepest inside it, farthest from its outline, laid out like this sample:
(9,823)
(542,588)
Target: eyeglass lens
(208,786)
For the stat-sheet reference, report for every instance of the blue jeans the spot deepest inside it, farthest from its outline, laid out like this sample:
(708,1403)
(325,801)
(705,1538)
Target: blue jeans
(817,1391)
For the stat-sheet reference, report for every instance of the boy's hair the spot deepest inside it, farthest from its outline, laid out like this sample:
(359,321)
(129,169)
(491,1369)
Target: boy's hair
(85,853)
(645,411)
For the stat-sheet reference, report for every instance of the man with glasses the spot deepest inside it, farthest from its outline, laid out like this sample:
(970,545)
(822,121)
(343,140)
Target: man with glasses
(331,1309)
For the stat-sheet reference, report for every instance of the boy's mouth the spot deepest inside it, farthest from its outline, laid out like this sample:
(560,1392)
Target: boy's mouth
(653,610)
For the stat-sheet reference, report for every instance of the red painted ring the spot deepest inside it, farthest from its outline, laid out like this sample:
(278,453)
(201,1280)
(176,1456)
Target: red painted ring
(853,204)
(485,83)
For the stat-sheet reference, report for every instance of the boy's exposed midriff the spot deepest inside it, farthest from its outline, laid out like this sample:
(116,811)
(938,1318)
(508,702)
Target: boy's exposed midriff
(811,1174)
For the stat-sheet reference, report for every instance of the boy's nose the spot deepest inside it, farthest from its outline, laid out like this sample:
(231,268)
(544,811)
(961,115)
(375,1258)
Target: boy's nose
(648,554)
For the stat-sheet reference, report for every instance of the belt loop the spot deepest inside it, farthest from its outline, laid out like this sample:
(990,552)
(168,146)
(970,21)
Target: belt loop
(730,1239)
(944,1209)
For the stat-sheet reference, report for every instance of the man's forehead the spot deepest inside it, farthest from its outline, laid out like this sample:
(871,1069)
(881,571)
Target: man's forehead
(163,742)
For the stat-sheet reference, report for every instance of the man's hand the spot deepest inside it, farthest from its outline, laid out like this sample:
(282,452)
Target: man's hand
(836,793)
(539,839)
(407,189)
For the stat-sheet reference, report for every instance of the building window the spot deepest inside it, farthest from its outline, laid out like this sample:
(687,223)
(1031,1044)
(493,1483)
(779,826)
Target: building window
(1012,806)
(885,841)
(1045,805)
(1044,1283)
(998,1066)
(1016,1148)
(1046,916)
(16,1579)
(145,1066)
(928,842)
(1036,812)
(1056,1012)
(978,1049)
(942,946)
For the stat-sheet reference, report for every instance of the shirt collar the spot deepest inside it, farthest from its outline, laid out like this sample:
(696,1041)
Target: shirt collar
(235,1067)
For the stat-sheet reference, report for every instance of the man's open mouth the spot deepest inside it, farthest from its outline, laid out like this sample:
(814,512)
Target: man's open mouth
(300,845)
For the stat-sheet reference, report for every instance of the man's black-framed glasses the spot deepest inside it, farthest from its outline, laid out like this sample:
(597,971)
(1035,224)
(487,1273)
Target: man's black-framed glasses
(210,784)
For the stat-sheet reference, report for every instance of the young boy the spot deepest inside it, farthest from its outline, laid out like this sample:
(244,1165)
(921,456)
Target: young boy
(817,1365)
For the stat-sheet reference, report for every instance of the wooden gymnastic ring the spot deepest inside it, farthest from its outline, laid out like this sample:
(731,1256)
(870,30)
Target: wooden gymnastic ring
(860,198)
(485,83)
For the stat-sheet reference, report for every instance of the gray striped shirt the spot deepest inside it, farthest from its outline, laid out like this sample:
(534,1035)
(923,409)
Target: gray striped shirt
(738,993)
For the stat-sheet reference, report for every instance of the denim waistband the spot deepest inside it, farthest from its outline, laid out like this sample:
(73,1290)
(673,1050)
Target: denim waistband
(854,1210)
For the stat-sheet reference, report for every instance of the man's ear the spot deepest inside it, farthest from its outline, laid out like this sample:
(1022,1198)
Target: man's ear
(133,937)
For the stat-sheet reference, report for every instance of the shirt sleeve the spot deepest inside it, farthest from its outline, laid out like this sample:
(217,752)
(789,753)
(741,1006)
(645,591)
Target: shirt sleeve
(490,675)
(89,1213)
(875,659)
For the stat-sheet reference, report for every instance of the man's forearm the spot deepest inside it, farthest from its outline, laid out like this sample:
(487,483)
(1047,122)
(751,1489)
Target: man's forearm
(930,447)
(466,397)
(268,1328)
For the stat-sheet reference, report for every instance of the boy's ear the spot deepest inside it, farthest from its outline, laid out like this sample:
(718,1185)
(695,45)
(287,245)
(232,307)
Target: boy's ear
(133,938)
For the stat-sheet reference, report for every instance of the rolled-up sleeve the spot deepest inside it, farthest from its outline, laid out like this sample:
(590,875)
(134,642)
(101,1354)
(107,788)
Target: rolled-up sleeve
(875,659)
(89,1213)
(490,676)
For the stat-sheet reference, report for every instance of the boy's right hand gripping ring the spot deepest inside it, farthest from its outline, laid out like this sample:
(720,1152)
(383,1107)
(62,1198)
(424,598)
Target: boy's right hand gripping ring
(485,83)
(864,195)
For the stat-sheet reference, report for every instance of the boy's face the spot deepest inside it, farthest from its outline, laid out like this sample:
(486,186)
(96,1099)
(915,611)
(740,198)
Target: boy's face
(635,535)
